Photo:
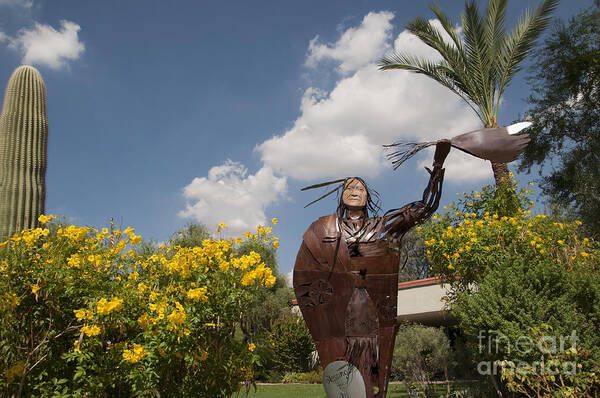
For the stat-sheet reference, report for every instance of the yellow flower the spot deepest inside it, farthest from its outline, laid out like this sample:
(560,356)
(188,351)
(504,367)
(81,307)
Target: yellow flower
(135,354)
(274,221)
(221,226)
(251,347)
(197,294)
(135,239)
(34,288)
(560,242)
(83,314)
(74,260)
(450,266)
(584,254)
(43,219)
(178,315)
(145,321)
(93,330)
(142,288)
(202,357)
(105,307)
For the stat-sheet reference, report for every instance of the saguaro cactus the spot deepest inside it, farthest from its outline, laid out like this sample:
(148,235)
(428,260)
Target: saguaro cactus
(23,149)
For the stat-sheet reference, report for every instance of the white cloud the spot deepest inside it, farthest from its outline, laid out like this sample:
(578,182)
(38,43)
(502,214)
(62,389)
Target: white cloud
(44,45)
(229,195)
(460,167)
(357,46)
(20,3)
(340,133)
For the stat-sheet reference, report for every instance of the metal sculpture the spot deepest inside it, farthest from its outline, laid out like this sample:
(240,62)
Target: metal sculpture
(498,145)
(346,275)
(346,271)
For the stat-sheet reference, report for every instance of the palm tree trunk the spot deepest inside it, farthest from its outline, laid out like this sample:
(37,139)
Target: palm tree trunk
(501,173)
(500,170)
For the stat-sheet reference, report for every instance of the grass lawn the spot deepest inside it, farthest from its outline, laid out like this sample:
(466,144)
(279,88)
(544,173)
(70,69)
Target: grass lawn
(316,391)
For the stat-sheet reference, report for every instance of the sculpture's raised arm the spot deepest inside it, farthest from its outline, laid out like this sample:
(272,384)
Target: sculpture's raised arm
(399,221)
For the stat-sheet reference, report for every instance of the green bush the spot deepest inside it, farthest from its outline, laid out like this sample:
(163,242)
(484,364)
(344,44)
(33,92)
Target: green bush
(83,313)
(517,277)
(420,352)
(289,345)
(312,377)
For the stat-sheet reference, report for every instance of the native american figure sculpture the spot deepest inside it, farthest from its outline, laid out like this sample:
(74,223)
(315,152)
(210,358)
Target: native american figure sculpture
(346,271)
(346,276)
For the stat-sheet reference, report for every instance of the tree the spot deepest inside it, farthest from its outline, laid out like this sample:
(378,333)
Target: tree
(564,108)
(419,353)
(190,236)
(413,264)
(478,66)
(269,303)
(291,345)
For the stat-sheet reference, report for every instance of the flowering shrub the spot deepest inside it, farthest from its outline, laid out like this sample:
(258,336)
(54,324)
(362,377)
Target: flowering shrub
(477,234)
(520,281)
(83,312)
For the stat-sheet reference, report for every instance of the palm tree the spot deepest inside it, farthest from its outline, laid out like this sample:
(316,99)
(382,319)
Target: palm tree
(479,64)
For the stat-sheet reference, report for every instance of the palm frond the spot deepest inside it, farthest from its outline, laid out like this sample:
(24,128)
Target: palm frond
(494,29)
(451,72)
(494,34)
(457,65)
(477,66)
(448,26)
(440,72)
(516,46)
(429,35)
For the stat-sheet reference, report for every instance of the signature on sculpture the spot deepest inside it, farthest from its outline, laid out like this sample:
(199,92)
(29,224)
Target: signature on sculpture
(343,380)
(346,271)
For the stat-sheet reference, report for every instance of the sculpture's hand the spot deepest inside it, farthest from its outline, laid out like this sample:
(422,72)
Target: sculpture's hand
(433,191)
(442,149)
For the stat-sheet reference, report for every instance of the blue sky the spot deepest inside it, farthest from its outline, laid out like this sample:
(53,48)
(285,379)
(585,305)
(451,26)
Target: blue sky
(162,113)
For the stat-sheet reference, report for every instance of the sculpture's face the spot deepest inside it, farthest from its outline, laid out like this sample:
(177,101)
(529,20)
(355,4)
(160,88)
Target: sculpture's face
(355,194)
